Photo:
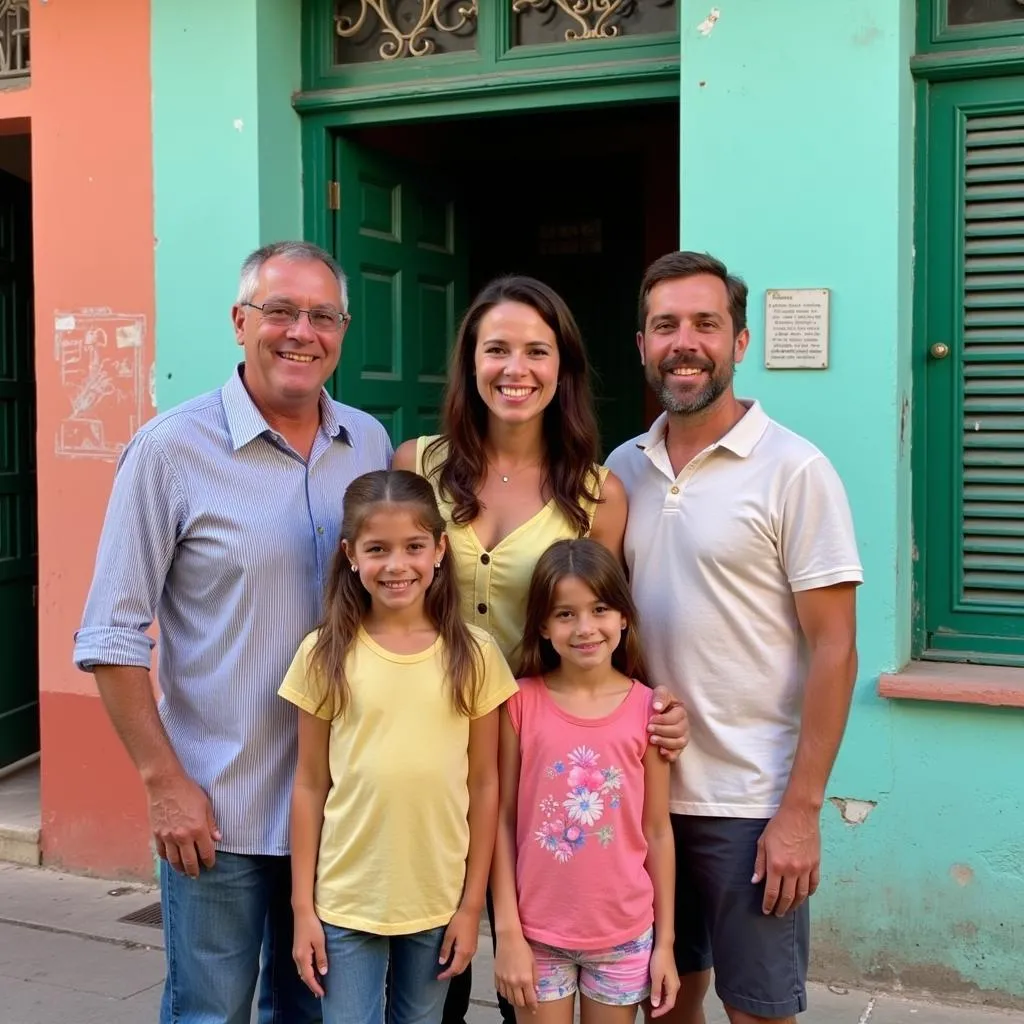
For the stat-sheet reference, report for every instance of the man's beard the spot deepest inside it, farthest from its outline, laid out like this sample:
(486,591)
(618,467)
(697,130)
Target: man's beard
(718,381)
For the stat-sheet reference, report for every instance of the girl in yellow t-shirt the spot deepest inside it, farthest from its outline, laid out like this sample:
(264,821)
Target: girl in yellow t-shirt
(394,806)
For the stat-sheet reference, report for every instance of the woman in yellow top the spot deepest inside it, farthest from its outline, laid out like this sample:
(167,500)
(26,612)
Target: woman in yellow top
(515,469)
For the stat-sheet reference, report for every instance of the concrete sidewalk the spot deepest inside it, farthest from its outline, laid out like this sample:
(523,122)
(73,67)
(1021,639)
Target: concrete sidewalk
(67,955)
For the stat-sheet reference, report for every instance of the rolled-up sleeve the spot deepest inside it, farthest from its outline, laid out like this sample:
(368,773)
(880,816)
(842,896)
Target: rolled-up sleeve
(143,522)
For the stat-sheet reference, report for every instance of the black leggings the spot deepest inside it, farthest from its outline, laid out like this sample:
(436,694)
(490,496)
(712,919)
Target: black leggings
(456,1005)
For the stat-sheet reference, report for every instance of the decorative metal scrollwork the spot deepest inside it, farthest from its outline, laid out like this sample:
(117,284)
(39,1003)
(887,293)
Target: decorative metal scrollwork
(412,42)
(594,17)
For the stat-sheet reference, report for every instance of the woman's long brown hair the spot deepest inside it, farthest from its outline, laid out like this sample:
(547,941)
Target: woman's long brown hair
(570,427)
(597,567)
(346,600)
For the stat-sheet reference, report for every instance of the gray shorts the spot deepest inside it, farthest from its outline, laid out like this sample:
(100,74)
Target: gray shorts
(760,961)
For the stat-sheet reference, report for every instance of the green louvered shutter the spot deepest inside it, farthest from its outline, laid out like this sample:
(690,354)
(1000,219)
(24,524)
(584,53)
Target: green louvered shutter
(970,501)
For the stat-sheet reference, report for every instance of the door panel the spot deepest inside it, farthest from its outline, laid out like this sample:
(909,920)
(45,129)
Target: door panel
(19,681)
(398,237)
(970,504)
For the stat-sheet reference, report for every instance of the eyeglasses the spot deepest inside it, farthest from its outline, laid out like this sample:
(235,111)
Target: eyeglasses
(281,314)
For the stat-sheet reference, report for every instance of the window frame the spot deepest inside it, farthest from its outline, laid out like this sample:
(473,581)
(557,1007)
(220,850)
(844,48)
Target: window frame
(936,35)
(946,54)
(495,55)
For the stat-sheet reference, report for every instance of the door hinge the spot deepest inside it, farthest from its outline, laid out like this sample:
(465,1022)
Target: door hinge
(333,195)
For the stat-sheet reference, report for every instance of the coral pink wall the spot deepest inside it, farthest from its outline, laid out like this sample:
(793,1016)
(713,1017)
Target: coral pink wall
(89,104)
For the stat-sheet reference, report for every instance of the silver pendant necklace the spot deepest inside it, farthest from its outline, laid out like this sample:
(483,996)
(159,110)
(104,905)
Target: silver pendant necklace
(505,477)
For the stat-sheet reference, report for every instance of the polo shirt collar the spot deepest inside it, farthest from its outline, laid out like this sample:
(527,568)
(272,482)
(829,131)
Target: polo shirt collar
(743,437)
(741,440)
(246,422)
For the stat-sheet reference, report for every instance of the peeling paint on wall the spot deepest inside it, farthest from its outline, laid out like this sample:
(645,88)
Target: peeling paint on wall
(705,27)
(904,423)
(962,874)
(1006,859)
(853,812)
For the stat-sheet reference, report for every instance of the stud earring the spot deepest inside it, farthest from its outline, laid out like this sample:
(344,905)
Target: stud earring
(437,565)
(355,568)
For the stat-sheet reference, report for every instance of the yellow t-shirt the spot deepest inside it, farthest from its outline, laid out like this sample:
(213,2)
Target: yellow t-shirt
(395,837)
(494,583)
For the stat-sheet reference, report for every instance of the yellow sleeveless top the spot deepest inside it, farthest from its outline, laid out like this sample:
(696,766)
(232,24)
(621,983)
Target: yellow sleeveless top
(494,583)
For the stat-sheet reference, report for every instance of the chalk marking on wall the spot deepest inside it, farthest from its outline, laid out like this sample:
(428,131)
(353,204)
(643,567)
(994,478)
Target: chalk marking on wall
(99,354)
(707,25)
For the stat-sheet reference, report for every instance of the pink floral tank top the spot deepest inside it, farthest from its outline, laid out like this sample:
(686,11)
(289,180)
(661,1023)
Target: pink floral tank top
(580,846)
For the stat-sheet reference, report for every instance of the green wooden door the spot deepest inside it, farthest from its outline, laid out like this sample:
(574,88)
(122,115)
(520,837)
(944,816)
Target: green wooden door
(19,679)
(398,236)
(969,436)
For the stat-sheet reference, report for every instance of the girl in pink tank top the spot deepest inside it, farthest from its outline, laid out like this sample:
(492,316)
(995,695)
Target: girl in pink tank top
(583,875)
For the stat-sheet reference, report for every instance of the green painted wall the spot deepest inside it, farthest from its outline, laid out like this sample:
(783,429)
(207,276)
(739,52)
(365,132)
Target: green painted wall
(280,150)
(227,171)
(802,178)
(796,126)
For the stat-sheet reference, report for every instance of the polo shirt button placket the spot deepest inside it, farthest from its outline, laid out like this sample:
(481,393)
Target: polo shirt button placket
(674,496)
(675,492)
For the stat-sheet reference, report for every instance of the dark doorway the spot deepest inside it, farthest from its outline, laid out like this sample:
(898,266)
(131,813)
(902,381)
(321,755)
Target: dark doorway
(582,199)
(19,676)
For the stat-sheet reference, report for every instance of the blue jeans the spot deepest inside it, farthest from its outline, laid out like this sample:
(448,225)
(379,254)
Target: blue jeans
(215,928)
(357,973)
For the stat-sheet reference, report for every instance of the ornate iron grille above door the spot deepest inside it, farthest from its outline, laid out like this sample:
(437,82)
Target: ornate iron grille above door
(553,21)
(375,31)
(372,30)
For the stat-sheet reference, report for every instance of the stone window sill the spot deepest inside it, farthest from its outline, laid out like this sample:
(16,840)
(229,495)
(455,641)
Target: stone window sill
(956,684)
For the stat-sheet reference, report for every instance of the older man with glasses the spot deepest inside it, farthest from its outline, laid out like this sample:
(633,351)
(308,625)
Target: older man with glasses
(222,522)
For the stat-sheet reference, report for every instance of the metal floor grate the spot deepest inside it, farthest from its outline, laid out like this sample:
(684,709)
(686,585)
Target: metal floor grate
(150,916)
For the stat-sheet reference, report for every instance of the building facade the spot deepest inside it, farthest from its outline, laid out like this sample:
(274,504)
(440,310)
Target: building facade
(869,150)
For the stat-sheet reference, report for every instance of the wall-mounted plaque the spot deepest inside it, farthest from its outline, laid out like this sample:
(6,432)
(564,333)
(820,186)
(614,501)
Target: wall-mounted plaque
(796,328)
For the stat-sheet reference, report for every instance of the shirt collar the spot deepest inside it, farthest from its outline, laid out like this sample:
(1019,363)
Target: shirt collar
(740,440)
(246,422)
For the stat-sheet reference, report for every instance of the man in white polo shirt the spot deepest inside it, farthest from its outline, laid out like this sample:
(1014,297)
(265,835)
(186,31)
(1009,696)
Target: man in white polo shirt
(744,567)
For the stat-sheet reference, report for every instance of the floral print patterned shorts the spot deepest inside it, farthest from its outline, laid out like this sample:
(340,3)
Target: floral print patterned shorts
(619,976)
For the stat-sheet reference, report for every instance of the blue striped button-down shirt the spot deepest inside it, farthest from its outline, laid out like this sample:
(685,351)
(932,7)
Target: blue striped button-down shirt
(222,532)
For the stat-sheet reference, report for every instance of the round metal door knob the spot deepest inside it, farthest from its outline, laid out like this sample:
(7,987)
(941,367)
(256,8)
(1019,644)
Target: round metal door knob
(939,350)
